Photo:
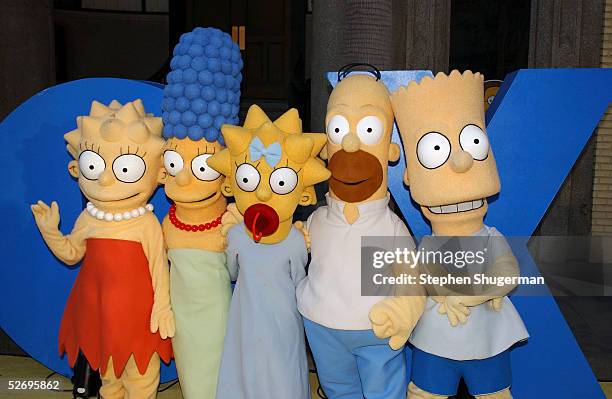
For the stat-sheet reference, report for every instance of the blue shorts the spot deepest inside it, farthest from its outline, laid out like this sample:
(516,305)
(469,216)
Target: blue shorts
(441,376)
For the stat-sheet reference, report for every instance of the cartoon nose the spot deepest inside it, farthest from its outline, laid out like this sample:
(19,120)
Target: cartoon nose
(263,193)
(183,177)
(461,161)
(350,143)
(106,178)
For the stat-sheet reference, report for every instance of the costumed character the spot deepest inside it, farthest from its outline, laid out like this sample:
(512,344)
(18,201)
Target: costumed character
(118,313)
(352,362)
(451,172)
(270,169)
(203,92)
(491,87)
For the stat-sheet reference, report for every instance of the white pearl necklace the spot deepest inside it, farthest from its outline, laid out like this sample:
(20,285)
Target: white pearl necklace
(119,216)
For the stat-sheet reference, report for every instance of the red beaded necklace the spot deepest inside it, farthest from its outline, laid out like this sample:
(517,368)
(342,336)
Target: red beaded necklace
(192,227)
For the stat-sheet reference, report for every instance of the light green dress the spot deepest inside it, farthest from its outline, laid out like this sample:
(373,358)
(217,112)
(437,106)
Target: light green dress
(200,290)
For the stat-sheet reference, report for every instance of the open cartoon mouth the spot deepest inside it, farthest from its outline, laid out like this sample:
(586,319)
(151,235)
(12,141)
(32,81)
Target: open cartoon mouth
(456,208)
(261,220)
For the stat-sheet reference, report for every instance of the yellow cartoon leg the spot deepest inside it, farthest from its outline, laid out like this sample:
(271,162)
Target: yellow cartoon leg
(112,388)
(505,394)
(141,386)
(415,392)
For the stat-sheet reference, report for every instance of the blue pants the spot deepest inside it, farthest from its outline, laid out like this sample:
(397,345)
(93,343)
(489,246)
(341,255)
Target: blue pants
(355,364)
(438,375)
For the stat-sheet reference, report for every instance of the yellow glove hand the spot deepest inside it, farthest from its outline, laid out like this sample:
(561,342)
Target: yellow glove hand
(454,308)
(230,218)
(457,308)
(395,318)
(47,217)
(496,303)
(164,322)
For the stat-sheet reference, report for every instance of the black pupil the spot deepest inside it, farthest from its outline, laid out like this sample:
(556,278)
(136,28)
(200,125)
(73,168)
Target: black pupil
(369,130)
(172,164)
(476,141)
(337,130)
(201,168)
(91,167)
(245,180)
(437,147)
(281,183)
(124,170)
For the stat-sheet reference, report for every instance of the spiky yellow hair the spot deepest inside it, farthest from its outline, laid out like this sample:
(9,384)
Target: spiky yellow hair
(415,98)
(114,122)
(301,148)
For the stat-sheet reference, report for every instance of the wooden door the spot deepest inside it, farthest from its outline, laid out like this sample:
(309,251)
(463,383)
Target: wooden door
(267,26)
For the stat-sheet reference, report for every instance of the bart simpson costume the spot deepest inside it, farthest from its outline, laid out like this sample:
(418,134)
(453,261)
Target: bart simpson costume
(451,173)
(352,362)
(200,286)
(118,313)
(270,168)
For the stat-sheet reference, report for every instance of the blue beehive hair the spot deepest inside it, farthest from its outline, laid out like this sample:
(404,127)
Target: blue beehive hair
(202,89)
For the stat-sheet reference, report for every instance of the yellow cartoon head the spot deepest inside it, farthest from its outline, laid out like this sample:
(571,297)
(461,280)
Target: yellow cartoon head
(117,155)
(491,87)
(271,168)
(450,166)
(359,123)
(188,179)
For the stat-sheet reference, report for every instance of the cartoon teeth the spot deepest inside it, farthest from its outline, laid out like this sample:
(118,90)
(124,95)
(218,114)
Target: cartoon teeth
(459,207)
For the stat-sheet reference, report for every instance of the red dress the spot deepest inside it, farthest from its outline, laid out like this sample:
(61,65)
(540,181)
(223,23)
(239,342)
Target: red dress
(109,308)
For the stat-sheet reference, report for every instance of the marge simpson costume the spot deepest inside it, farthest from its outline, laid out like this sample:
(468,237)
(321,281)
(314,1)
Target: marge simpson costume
(118,312)
(200,285)
(451,172)
(352,362)
(270,168)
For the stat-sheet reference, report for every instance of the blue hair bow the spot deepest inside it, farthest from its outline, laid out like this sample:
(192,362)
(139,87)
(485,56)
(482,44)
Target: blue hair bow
(272,153)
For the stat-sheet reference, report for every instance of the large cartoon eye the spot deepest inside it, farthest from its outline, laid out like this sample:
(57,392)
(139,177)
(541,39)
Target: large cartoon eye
(201,170)
(370,130)
(247,177)
(474,141)
(433,149)
(173,162)
(91,165)
(337,128)
(283,180)
(129,168)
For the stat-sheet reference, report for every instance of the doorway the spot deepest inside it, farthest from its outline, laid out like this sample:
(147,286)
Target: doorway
(271,35)
(489,36)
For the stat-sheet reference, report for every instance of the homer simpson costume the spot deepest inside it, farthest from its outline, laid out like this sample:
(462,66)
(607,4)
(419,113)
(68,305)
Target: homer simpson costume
(270,169)
(451,172)
(200,286)
(118,313)
(352,362)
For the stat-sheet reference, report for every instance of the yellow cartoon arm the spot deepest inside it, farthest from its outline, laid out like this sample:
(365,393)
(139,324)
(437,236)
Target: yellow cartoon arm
(70,248)
(301,227)
(231,217)
(395,318)
(457,307)
(162,317)
(304,228)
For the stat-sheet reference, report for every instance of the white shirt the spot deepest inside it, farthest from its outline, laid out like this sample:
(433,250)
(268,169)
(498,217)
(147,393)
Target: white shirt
(486,333)
(331,293)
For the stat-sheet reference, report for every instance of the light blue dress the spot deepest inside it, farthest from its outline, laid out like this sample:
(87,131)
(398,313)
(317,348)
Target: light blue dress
(264,354)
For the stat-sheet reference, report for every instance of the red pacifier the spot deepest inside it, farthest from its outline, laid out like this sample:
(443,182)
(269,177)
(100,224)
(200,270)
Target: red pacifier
(261,220)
